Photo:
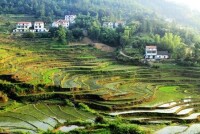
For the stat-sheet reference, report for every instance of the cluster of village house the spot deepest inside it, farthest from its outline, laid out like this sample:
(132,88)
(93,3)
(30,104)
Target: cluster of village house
(151,52)
(38,26)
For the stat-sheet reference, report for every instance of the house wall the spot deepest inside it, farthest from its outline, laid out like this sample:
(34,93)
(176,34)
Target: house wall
(162,56)
(57,24)
(150,53)
(39,27)
(25,27)
(22,27)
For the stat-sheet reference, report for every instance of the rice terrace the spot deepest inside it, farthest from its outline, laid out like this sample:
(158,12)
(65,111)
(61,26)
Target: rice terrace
(99,67)
(51,85)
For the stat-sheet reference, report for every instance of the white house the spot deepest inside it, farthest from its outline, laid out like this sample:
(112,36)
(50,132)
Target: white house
(108,24)
(151,52)
(27,27)
(23,27)
(70,18)
(39,27)
(63,23)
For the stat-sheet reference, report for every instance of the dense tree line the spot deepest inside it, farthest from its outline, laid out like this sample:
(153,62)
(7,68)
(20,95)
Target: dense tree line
(58,8)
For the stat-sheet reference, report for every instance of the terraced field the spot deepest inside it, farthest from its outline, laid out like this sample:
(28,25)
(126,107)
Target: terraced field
(40,70)
(40,117)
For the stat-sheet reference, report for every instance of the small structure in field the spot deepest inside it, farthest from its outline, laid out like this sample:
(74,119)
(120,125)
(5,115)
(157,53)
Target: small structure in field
(152,53)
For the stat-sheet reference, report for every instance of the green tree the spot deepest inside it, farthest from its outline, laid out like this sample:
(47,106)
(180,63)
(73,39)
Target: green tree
(29,35)
(170,42)
(61,34)
(196,51)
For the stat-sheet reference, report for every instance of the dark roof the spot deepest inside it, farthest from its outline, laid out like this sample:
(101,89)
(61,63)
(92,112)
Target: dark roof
(162,53)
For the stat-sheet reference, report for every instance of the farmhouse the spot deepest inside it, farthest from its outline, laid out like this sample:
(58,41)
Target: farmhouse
(63,23)
(23,27)
(151,52)
(28,27)
(39,27)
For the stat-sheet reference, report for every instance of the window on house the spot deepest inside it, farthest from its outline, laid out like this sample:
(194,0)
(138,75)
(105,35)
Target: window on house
(151,51)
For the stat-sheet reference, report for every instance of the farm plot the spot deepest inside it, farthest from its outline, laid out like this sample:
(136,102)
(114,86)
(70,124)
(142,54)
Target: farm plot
(39,117)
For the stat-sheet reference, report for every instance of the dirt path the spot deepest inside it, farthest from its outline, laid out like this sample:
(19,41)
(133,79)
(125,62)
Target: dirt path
(126,55)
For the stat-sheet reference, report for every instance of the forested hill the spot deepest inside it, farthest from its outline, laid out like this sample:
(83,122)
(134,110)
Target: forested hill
(103,9)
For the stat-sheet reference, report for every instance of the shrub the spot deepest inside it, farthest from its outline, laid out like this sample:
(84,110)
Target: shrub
(77,122)
(155,66)
(99,119)
(85,107)
(29,35)
(69,103)
(43,35)
(3,97)
(126,129)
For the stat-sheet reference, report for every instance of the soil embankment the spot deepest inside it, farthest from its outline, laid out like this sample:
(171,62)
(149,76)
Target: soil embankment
(100,46)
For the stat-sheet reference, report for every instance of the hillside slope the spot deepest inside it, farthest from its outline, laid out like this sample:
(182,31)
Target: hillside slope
(103,9)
